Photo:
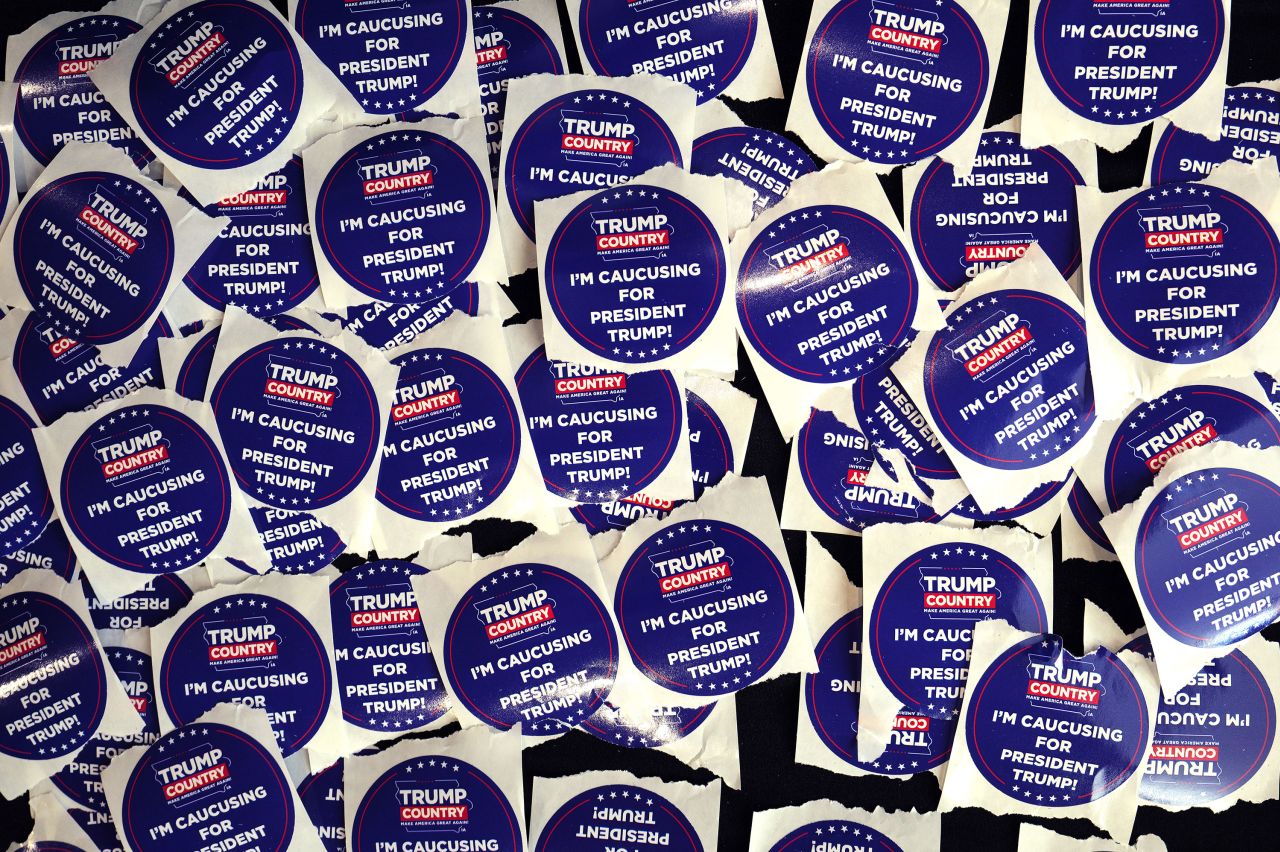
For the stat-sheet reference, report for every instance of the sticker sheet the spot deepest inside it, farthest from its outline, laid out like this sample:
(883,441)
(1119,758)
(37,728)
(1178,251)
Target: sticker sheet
(1249,118)
(825,824)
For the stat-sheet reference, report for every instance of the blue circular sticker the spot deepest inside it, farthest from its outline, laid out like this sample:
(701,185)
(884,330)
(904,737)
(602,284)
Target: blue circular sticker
(57,103)
(100,828)
(704,608)
(917,743)
(1126,61)
(1185,417)
(161,597)
(439,803)
(825,293)
(50,552)
(378,48)
(1007,381)
(146,490)
(249,648)
(920,628)
(1200,558)
(452,440)
(218,86)
(296,543)
(1088,516)
(704,47)
(600,817)
(834,460)
(322,798)
(895,82)
(1055,730)
(531,644)
(964,226)
(300,422)
(1249,132)
(93,252)
(747,155)
(508,45)
(586,139)
(386,326)
(835,834)
(53,686)
(1176,243)
(893,421)
(192,376)
(404,217)
(26,506)
(600,435)
(203,782)
(1043,494)
(660,727)
(387,678)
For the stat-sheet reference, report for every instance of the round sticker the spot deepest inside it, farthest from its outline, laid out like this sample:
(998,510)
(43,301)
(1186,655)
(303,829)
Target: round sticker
(321,794)
(1213,736)
(1186,417)
(385,326)
(54,683)
(99,827)
(531,644)
(1043,495)
(835,834)
(452,440)
(146,490)
(920,628)
(704,608)
(617,813)
(964,226)
(26,506)
(50,552)
(917,743)
(161,597)
(300,422)
(834,460)
(378,48)
(93,252)
(1178,243)
(218,86)
(1249,120)
(1007,380)
(1126,62)
(893,421)
(825,293)
(587,139)
(893,83)
(387,678)
(1196,544)
(662,727)
(600,435)
(57,103)
(192,379)
(1088,516)
(508,45)
(1056,730)
(185,784)
(435,804)
(249,648)
(765,162)
(404,217)
(296,543)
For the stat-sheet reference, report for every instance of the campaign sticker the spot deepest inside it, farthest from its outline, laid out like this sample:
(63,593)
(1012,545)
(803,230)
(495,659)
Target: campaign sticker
(765,162)
(50,552)
(613,813)
(437,803)
(248,648)
(1055,730)
(98,826)
(385,326)
(963,226)
(1088,516)
(660,727)
(191,379)
(161,597)
(1249,120)
(378,48)
(1041,496)
(893,82)
(1126,61)
(387,678)
(892,421)
(296,543)
(1206,265)
(839,834)
(321,794)
(825,293)
(26,506)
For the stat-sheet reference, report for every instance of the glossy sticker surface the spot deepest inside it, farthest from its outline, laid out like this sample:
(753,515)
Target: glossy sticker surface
(1249,120)
(765,162)
(596,818)
(26,506)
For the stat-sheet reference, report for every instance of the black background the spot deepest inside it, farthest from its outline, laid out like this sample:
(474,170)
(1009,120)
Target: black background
(767,712)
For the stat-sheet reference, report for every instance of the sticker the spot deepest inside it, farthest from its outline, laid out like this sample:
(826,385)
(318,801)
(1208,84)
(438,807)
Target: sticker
(1038,511)
(50,552)
(1249,119)
(1088,519)
(8,151)
(158,599)
(186,361)
(295,542)
(385,326)
(663,725)
(829,825)
(321,794)
(56,829)
(895,82)
(26,507)
(765,162)
(1033,838)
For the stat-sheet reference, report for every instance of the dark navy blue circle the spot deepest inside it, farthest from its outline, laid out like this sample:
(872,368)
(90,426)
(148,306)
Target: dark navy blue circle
(321,794)
(26,506)
(1248,134)
(1043,494)
(586,139)
(743,153)
(161,597)
(1088,516)
(840,832)
(574,825)
(513,609)
(662,727)
(1075,35)
(50,552)
(565,404)
(801,302)
(692,588)
(296,543)
(386,326)
(93,252)
(892,420)
(172,84)
(862,44)
(387,678)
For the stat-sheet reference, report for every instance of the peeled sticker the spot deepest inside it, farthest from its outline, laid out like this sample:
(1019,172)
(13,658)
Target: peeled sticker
(703,737)
(1249,117)
(1038,511)
(1101,71)
(95,249)
(826,290)
(568,132)
(221,90)
(1082,533)
(50,552)
(53,830)
(1033,838)
(219,778)
(1051,735)
(1180,282)
(892,83)
(595,810)
(321,793)
(185,361)
(159,598)
(8,152)
(825,824)
(385,326)
(26,506)
(465,790)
